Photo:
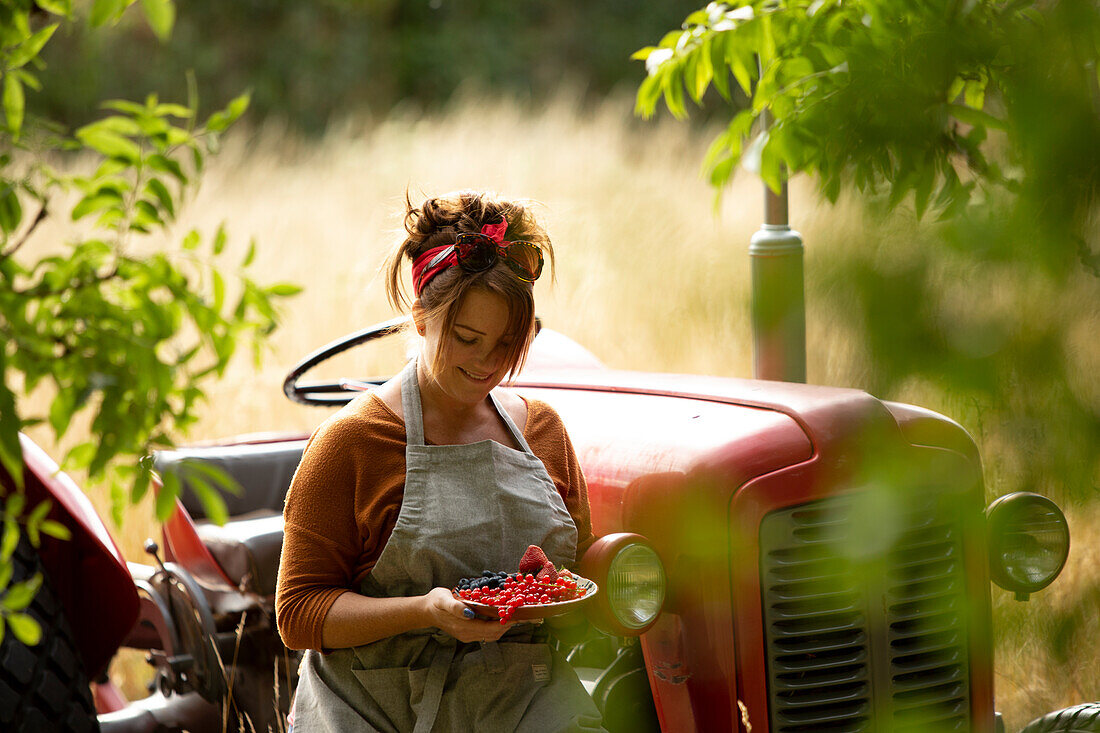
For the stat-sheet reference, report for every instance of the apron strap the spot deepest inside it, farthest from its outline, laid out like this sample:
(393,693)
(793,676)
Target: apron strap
(410,405)
(517,434)
(428,707)
(414,411)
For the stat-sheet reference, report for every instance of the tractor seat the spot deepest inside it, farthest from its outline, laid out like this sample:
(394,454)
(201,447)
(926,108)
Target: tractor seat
(247,547)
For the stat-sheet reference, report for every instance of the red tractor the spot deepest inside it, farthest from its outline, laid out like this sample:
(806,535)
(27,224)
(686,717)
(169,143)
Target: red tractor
(774,556)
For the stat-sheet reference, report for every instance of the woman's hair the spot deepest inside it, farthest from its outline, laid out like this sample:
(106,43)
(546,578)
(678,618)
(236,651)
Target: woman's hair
(437,222)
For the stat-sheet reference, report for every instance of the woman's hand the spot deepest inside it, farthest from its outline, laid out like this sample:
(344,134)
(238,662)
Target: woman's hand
(446,613)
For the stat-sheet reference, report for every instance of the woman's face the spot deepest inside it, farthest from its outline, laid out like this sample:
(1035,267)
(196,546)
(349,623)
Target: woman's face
(472,355)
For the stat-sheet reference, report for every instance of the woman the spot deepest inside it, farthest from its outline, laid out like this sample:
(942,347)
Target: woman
(437,475)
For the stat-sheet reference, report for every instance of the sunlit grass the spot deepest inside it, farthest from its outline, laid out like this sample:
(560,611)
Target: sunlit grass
(650,275)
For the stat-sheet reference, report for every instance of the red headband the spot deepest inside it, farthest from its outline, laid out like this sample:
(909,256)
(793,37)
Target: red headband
(433,261)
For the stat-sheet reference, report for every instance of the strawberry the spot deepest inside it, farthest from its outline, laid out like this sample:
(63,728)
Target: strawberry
(533,560)
(548,574)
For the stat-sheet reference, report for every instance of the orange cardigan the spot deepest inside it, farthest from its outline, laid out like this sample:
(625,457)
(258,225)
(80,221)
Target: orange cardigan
(346,495)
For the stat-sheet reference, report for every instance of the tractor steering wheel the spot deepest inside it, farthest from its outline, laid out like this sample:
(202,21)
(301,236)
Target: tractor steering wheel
(337,393)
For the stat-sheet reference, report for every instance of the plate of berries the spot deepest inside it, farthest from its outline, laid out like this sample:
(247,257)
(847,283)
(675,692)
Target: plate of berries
(538,590)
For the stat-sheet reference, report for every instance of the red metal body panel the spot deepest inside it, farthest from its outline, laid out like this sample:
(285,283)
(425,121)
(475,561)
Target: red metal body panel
(182,545)
(695,463)
(89,566)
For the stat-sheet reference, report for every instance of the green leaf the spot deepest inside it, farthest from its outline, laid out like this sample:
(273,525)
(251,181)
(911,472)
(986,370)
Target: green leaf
(31,47)
(14,103)
(109,143)
(174,110)
(6,570)
(161,15)
(11,452)
(124,105)
(703,74)
(975,117)
(93,203)
(11,211)
(166,497)
(156,187)
(56,530)
(142,480)
(771,167)
(721,171)
(167,165)
(104,11)
(20,595)
(192,240)
(121,125)
(15,504)
(211,500)
(221,120)
(29,80)
(57,7)
(284,290)
(10,539)
(741,69)
(220,239)
(956,89)
(147,214)
(81,456)
(251,254)
(923,190)
(219,290)
(673,87)
(974,94)
(25,628)
(61,411)
(720,71)
(649,92)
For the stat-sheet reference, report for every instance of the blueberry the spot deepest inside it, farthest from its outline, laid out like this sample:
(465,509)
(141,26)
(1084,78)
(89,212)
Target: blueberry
(487,573)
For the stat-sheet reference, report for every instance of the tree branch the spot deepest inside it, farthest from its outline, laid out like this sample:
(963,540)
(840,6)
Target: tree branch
(42,213)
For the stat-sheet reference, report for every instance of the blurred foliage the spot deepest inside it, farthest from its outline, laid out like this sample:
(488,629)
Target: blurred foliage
(983,113)
(307,61)
(118,329)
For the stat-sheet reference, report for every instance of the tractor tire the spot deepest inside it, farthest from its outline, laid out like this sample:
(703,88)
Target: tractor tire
(1084,718)
(44,687)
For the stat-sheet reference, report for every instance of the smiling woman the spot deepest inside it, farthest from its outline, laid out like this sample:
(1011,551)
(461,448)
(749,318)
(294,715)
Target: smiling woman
(434,476)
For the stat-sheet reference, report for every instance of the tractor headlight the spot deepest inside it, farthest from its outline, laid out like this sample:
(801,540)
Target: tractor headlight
(636,585)
(1028,542)
(631,579)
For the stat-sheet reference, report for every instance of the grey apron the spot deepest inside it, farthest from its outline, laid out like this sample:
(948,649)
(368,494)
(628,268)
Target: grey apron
(466,508)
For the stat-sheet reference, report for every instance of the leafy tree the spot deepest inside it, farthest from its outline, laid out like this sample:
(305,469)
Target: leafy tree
(901,96)
(983,115)
(123,330)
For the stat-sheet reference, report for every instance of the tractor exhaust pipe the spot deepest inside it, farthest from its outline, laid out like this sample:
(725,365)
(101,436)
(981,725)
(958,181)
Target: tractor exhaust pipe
(778,295)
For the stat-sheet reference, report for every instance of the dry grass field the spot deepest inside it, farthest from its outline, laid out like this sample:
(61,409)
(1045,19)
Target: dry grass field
(650,275)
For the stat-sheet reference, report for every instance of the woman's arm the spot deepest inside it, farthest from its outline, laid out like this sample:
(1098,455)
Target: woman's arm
(353,620)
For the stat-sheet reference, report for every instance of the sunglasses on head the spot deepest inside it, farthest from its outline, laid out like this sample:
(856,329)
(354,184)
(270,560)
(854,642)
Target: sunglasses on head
(478,252)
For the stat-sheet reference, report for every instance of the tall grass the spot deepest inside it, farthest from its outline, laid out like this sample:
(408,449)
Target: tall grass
(651,274)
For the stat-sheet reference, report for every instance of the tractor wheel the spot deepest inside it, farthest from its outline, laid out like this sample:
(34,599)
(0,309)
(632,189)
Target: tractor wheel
(44,687)
(1084,718)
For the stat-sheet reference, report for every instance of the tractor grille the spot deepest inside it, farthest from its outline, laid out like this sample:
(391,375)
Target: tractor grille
(864,615)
